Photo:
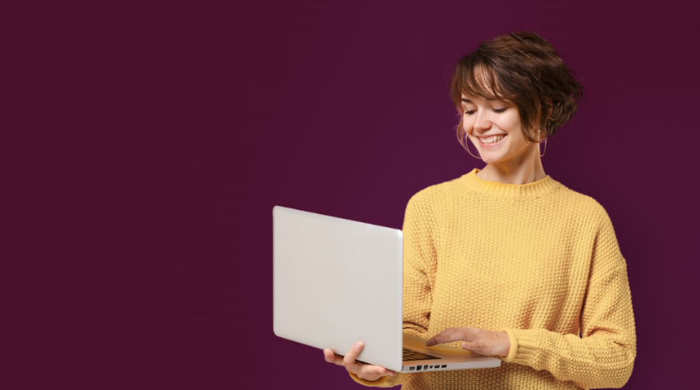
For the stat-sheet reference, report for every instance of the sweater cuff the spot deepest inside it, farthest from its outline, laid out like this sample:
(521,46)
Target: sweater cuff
(523,347)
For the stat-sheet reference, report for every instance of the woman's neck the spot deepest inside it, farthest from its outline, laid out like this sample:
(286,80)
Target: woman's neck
(514,172)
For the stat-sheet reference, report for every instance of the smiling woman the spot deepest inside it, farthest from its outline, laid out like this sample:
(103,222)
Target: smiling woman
(517,89)
(506,261)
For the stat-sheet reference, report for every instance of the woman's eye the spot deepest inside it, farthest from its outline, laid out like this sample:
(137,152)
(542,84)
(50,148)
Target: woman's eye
(497,110)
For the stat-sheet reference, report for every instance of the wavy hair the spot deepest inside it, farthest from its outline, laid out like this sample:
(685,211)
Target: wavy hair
(522,69)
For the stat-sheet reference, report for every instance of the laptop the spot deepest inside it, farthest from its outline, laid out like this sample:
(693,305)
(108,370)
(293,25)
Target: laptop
(338,281)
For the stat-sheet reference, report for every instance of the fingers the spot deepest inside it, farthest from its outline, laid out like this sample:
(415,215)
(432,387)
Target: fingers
(364,371)
(448,335)
(348,360)
(370,372)
(354,352)
(332,357)
(328,355)
(451,334)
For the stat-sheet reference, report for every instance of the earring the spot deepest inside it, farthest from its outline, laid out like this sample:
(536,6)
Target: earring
(466,146)
(545,147)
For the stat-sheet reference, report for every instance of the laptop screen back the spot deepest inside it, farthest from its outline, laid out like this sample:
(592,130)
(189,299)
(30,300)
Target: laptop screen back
(336,282)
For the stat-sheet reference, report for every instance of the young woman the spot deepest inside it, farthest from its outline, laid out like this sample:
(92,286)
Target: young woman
(505,260)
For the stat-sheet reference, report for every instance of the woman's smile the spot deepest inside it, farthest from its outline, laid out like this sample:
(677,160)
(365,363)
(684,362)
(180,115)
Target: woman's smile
(492,142)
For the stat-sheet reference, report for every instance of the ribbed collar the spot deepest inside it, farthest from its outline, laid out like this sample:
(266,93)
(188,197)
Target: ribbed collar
(505,190)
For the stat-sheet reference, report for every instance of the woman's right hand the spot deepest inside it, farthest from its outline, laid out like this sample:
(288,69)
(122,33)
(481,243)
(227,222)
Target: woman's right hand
(363,371)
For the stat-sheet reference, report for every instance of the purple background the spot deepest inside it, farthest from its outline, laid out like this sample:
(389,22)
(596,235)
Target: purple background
(145,146)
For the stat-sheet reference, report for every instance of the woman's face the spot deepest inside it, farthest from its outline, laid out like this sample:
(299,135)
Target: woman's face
(495,128)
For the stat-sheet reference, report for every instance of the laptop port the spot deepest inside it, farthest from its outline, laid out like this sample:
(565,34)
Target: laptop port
(419,368)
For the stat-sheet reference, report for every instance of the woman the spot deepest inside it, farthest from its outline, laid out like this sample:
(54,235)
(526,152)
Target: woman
(505,260)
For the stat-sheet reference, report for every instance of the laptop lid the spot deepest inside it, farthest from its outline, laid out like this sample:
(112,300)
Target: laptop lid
(336,282)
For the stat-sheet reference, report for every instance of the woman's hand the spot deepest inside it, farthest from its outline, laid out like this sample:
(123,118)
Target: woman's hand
(485,342)
(364,371)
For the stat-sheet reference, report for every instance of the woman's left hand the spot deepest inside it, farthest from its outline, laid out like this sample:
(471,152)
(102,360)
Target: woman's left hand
(485,342)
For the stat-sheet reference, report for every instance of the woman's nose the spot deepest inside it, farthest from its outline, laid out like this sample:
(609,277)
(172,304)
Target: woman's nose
(481,123)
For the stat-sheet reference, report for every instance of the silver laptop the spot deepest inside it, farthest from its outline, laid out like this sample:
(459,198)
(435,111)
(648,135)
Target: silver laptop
(338,281)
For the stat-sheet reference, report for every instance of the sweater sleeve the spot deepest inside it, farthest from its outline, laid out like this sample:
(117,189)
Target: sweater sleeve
(419,265)
(603,354)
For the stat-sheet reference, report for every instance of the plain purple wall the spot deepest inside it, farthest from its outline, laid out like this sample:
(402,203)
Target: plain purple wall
(145,146)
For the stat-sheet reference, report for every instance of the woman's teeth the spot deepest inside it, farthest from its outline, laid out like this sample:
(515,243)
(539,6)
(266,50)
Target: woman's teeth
(493,139)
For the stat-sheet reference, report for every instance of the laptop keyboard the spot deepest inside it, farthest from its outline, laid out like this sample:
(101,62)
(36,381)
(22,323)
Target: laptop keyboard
(410,355)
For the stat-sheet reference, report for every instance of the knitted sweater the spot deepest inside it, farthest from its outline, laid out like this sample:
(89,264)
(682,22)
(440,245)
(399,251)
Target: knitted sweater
(538,261)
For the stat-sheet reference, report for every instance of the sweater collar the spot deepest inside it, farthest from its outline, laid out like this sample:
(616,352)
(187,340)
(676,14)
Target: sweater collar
(534,189)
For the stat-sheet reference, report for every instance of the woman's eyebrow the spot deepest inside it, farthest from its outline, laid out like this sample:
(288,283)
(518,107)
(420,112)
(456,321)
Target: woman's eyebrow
(465,100)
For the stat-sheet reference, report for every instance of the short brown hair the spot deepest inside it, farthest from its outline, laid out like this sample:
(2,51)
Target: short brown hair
(522,69)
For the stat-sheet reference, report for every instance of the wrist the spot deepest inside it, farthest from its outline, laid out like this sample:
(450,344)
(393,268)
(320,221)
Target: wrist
(505,344)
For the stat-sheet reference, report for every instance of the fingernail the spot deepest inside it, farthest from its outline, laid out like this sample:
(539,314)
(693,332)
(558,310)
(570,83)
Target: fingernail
(358,345)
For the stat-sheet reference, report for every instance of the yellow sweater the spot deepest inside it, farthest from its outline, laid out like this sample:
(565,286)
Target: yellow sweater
(539,261)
